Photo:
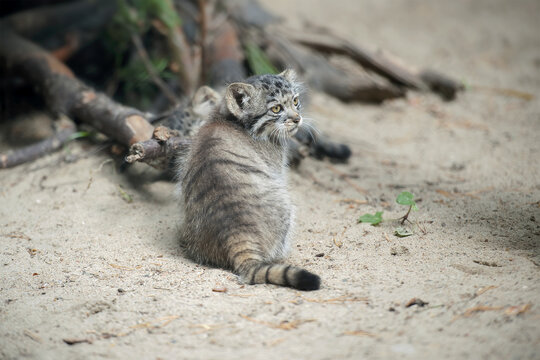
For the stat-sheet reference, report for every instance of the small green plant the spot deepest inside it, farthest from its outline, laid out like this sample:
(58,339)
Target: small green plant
(78,135)
(374,219)
(405,198)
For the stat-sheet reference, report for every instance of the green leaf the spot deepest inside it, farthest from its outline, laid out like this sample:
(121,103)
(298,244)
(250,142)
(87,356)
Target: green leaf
(258,61)
(374,219)
(162,9)
(402,232)
(124,195)
(406,198)
(78,135)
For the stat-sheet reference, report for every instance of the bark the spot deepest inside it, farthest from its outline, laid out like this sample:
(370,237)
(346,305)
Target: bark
(65,94)
(160,150)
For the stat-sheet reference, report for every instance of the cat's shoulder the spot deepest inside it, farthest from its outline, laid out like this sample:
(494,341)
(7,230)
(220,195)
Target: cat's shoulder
(222,128)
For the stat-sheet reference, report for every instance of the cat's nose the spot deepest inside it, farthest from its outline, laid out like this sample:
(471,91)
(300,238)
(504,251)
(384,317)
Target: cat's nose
(296,118)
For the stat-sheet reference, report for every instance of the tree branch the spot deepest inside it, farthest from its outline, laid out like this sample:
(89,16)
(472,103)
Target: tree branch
(64,94)
(66,129)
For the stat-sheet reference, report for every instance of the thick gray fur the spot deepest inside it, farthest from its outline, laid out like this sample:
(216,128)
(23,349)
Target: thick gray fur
(236,209)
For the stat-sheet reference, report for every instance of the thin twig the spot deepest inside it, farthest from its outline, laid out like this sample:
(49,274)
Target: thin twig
(203,25)
(406,216)
(181,53)
(137,41)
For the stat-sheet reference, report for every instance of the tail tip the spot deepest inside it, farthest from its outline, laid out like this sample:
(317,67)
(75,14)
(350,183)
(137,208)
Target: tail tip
(307,281)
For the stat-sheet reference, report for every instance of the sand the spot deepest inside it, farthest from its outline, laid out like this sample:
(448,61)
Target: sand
(80,263)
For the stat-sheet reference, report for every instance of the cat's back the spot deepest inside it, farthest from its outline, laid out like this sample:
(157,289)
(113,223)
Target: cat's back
(225,152)
(226,166)
(227,187)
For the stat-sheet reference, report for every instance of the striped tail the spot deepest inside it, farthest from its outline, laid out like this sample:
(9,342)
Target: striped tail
(257,272)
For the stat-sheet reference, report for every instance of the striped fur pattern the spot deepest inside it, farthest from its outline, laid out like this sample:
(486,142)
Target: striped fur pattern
(236,209)
(187,119)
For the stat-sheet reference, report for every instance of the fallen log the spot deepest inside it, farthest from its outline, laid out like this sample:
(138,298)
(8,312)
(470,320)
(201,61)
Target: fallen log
(65,94)
(323,76)
(381,64)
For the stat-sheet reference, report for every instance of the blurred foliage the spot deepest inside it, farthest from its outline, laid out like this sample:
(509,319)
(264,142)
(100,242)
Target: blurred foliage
(137,82)
(258,61)
(134,17)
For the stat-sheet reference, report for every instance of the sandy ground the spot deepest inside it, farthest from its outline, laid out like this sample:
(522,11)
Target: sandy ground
(79,262)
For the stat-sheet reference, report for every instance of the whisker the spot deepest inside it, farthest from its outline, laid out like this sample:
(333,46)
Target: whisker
(310,126)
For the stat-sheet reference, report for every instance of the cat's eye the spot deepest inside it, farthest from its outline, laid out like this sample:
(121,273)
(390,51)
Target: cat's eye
(295,101)
(276,109)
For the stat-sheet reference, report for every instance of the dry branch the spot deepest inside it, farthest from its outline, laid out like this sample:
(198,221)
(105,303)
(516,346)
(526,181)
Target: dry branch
(381,64)
(159,150)
(65,129)
(182,54)
(218,55)
(331,44)
(64,94)
(57,18)
(323,76)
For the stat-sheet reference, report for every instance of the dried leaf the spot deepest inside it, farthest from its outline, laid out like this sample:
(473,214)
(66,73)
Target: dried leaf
(486,263)
(517,310)
(17,235)
(122,267)
(72,341)
(220,289)
(359,333)
(206,327)
(339,300)
(284,325)
(403,232)
(156,323)
(416,301)
(484,289)
(445,193)
(481,308)
(33,336)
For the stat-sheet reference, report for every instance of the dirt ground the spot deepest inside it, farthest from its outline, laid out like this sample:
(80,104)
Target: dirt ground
(79,262)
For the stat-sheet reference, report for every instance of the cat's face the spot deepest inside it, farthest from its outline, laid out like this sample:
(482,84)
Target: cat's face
(267,105)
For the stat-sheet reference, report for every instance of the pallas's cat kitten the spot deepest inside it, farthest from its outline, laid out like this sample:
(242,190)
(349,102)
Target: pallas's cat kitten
(236,209)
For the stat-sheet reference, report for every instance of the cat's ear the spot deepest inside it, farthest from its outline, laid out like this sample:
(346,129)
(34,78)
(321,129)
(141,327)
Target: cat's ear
(238,97)
(205,94)
(289,74)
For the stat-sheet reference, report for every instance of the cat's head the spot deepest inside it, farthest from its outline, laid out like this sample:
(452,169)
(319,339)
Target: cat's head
(268,106)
